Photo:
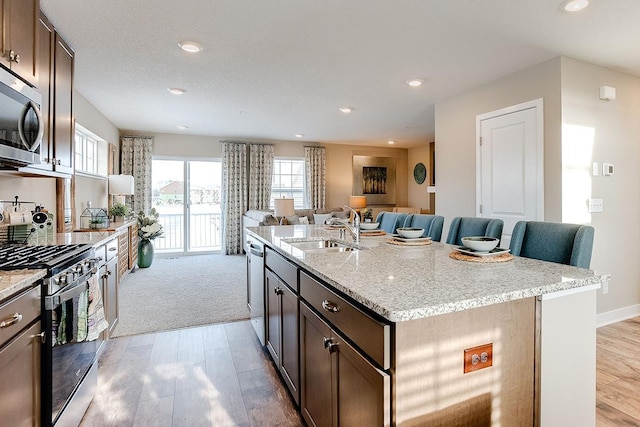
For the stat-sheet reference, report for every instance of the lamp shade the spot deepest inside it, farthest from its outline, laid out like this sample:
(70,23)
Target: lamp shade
(283,207)
(121,185)
(358,202)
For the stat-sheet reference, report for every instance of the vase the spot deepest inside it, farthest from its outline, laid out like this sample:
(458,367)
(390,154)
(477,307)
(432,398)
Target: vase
(145,253)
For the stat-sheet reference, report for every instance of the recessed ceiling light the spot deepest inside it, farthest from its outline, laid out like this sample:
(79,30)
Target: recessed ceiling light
(415,82)
(345,110)
(191,47)
(176,90)
(299,135)
(391,142)
(575,5)
(182,127)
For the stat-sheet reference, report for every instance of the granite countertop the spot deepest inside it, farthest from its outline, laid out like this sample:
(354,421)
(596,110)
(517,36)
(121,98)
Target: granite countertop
(13,281)
(410,282)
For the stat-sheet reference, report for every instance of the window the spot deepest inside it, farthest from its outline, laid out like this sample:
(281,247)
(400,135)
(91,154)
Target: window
(288,181)
(91,152)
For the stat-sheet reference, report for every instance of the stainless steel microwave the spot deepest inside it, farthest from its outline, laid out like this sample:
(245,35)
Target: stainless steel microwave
(21,126)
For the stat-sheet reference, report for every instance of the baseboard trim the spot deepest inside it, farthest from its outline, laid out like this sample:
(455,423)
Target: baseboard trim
(617,315)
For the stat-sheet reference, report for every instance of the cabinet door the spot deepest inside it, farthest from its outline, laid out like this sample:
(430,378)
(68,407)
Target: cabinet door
(289,337)
(133,246)
(19,35)
(110,293)
(363,391)
(63,131)
(20,385)
(46,39)
(317,404)
(273,289)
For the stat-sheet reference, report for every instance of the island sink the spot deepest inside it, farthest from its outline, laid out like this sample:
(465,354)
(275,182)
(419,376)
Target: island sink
(321,245)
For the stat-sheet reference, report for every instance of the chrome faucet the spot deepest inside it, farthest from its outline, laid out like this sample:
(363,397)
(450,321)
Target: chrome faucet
(355,229)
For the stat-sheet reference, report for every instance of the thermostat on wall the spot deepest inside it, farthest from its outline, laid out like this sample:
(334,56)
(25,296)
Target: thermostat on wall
(607,169)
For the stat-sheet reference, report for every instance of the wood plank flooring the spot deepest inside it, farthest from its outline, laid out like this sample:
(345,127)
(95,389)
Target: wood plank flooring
(618,374)
(215,375)
(218,375)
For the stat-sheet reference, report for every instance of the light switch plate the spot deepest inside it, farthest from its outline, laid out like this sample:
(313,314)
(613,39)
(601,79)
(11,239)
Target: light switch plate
(596,205)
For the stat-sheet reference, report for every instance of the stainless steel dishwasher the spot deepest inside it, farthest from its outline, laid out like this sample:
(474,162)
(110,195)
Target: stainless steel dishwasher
(255,258)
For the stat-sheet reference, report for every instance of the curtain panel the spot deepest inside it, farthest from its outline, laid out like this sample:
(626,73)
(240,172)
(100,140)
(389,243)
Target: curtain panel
(234,195)
(260,178)
(315,168)
(136,159)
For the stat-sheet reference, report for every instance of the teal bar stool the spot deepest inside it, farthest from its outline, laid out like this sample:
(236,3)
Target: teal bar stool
(569,244)
(471,226)
(432,225)
(391,221)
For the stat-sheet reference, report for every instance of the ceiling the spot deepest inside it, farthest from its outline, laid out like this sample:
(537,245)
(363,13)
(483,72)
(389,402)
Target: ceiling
(273,69)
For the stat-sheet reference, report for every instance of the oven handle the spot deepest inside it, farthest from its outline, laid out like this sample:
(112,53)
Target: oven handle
(52,301)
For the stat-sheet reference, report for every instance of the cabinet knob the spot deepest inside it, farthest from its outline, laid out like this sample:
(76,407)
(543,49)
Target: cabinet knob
(14,57)
(278,291)
(329,344)
(15,318)
(41,335)
(330,306)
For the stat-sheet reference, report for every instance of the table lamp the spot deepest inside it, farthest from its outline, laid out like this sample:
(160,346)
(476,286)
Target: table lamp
(283,208)
(357,203)
(121,186)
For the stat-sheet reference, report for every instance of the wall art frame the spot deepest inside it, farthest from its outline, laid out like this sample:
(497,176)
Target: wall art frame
(375,178)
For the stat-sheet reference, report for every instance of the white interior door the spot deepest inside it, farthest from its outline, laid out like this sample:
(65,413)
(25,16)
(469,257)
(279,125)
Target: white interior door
(510,165)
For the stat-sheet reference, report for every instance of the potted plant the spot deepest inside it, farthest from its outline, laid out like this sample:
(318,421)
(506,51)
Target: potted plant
(148,229)
(118,210)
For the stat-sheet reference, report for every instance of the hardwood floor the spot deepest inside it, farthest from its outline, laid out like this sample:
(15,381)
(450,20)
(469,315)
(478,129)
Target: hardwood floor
(216,375)
(618,374)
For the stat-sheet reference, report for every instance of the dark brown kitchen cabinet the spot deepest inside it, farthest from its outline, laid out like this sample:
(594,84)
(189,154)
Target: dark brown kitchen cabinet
(339,386)
(20,346)
(19,29)
(282,330)
(55,70)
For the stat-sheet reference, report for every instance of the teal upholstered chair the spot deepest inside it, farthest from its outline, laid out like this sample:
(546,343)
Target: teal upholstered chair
(471,226)
(391,221)
(432,225)
(569,244)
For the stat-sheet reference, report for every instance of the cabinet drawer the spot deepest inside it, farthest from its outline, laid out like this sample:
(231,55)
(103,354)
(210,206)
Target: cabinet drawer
(111,249)
(283,268)
(371,335)
(26,305)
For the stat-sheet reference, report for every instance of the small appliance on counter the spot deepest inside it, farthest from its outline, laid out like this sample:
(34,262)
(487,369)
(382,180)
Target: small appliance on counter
(26,222)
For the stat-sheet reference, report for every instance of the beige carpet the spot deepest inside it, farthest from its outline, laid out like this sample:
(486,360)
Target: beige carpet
(182,292)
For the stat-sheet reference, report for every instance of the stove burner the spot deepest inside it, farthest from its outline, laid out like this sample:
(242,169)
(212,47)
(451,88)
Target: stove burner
(15,257)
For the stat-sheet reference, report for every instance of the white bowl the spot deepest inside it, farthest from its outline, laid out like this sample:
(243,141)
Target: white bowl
(480,243)
(369,225)
(410,232)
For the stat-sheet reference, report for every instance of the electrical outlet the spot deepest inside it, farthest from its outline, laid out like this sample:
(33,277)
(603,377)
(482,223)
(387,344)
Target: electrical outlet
(596,169)
(605,287)
(478,357)
(596,205)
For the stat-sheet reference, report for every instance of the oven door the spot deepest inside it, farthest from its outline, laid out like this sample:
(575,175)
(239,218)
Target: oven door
(69,370)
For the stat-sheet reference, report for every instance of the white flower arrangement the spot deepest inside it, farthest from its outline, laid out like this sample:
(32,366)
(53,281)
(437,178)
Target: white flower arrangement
(148,226)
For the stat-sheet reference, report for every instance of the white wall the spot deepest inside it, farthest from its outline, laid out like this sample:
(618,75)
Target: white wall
(417,193)
(455,121)
(569,89)
(615,129)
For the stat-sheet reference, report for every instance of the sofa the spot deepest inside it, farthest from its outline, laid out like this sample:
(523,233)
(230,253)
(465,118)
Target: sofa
(256,218)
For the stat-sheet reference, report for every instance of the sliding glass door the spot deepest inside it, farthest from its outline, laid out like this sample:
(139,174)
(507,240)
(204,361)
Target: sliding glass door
(186,194)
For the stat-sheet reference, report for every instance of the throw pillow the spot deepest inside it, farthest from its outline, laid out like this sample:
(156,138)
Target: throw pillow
(341,214)
(303,220)
(321,218)
(270,220)
(292,220)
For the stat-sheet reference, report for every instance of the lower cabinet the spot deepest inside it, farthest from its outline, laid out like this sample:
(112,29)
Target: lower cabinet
(108,274)
(339,387)
(282,330)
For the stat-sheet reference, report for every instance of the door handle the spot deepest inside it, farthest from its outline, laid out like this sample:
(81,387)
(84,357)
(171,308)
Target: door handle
(330,345)
(15,318)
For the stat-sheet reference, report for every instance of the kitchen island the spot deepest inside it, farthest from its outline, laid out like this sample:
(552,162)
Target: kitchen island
(417,319)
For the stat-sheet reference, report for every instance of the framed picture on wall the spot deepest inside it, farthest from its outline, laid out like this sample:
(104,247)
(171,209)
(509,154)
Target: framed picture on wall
(375,178)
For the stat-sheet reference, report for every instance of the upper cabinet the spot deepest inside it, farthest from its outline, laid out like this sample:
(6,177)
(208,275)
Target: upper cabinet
(55,70)
(19,29)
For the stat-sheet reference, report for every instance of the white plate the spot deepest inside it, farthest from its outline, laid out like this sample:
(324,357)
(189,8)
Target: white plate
(406,239)
(492,252)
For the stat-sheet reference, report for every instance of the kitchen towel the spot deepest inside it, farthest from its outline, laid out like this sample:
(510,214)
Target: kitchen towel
(96,320)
